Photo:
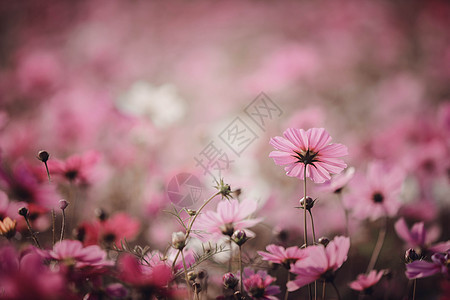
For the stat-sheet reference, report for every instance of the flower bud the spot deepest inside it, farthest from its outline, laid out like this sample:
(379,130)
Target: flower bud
(230,281)
(178,240)
(43,156)
(23,211)
(101,214)
(411,255)
(309,202)
(192,275)
(323,240)
(191,212)
(239,237)
(227,229)
(63,204)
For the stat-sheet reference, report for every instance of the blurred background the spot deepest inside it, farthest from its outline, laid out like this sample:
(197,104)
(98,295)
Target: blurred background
(153,89)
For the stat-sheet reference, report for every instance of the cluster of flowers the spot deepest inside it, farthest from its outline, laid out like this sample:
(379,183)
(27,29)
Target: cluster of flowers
(99,262)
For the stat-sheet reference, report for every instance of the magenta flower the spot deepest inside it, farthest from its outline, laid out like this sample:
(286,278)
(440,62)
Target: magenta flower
(310,149)
(321,263)
(258,285)
(72,253)
(375,195)
(420,268)
(231,215)
(364,282)
(417,237)
(149,281)
(76,168)
(282,256)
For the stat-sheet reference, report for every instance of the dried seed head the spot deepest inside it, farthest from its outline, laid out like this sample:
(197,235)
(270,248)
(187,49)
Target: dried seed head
(43,156)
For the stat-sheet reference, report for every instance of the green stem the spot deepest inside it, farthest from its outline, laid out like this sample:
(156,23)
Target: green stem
(33,234)
(305,232)
(53,227)
(414,289)
(312,225)
(323,290)
(231,255)
(345,212)
(337,291)
(288,279)
(188,231)
(378,246)
(186,274)
(240,271)
(63,226)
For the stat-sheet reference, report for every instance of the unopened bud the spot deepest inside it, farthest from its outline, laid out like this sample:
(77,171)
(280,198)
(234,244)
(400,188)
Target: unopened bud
(101,214)
(230,281)
(191,212)
(309,202)
(192,275)
(323,240)
(23,211)
(178,240)
(63,204)
(411,255)
(43,156)
(239,237)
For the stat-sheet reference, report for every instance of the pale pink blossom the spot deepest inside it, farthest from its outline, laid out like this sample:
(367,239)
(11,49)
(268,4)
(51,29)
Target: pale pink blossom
(77,168)
(282,256)
(418,237)
(231,215)
(258,285)
(377,193)
(310,149)
(366,281)
(321,263)
(421,268)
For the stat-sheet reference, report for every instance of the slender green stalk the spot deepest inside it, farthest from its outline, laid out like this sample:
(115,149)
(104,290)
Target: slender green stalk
(240,271)
(188,231)
(288,279)
(337,291)
(378,246)
(305,232)
(345,212)
(323,290)
(33,234)
(63,225)
(414,289)
(53,226)
(231,255)
(186,274)
(312,225)
(48,173)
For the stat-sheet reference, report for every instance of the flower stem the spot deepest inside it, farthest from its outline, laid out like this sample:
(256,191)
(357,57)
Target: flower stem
(63,225)
(33,234)
(312,226)
(378,246)
(414,289)
(288,279)
(345,212)
(186,273)
(48,173)
(337,291)
(231,255)
(53,227)
(188,230)
(305,232)
(240,271)
(323,290)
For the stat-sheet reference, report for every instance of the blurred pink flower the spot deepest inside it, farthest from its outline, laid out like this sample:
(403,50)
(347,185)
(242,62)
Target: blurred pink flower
(231,215)
(418,237)
(376,194)
(365,281)
(338,182)
(282,256)
(321,263)
(420,268)
(76,168)
(72,253)
(151,281)
(308,149)
(114,229)
(258,285)
(29,278)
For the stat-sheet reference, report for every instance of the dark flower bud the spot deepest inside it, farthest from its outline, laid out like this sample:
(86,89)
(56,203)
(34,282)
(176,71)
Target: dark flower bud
(101,214)
(230,281)
(23,211)
(224,189)
(411,255)
(192,275)
(63,204)
(239,237)
(309,202)
(323,240)
(191,212)
(202,274)
(227,229)
(43,156)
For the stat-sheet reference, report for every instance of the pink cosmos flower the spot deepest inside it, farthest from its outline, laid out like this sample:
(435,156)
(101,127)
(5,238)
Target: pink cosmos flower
(421,268)
(76,168)
(258,285)
(74,254)
(376,194)
(365,281)
(112,230)
(417,237)
(310,149)
(338,182)
(231,215)
(282,256)
(150,281)
(321,263)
